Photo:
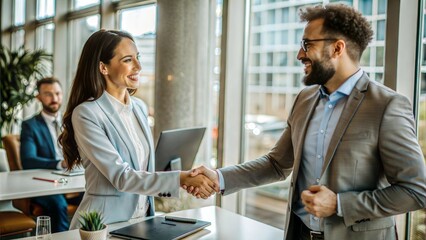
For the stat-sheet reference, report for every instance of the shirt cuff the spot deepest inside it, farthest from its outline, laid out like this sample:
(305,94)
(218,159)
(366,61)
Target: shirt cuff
(59,165)
(221,181)
(339,208)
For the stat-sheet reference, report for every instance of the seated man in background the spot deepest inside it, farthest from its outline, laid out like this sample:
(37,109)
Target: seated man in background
(40,148)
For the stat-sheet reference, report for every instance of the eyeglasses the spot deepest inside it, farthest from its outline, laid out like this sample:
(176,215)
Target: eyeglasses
(304,43)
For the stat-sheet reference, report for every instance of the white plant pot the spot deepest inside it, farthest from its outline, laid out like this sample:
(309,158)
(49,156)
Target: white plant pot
(94,235)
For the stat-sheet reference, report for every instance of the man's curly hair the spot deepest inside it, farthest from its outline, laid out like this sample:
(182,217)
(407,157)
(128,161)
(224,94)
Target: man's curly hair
(342,21)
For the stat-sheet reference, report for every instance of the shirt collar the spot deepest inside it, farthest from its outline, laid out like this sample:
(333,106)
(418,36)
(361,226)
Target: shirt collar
(345,89)
(118,106)
(49,118)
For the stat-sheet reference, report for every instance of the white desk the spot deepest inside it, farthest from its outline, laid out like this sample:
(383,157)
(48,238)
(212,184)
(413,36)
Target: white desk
(20,184)
(225,225)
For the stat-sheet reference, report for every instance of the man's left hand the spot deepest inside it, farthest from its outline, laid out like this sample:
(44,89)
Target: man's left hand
(319,201)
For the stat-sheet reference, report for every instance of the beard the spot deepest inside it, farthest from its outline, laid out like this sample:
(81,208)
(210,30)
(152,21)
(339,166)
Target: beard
(321,72)
(51,108)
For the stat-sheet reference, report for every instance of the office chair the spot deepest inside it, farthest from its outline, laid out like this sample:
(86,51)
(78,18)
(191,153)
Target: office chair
(11,222)
(11,144)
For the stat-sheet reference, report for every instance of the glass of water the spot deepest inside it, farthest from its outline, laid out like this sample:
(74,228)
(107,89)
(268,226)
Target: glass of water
(43,228)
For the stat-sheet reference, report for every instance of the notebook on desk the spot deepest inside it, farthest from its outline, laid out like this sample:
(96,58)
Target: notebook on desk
(159,228)
(75,172)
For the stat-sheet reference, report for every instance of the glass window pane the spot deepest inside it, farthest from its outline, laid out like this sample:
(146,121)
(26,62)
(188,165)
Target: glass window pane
(257,19)
(382,6)
(380,56)
(45,8)
(80,29)
(365,58)
(18,39)
(19,16)
(78,4)
(270,16)
(285,18)
(381,29)
(44,40)
(366,7)
(144,34)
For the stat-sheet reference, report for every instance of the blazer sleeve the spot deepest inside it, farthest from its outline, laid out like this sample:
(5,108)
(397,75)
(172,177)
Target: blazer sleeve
(95,145)
(29,149)
(403,166)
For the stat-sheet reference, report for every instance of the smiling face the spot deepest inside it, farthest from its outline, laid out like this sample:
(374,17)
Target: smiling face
(317,59)
(50,96)
(122,72)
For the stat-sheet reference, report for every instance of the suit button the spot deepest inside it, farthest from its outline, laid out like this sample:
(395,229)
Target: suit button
(169,195)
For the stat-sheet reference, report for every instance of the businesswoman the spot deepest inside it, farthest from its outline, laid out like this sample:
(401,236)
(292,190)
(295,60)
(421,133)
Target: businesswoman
(106,130)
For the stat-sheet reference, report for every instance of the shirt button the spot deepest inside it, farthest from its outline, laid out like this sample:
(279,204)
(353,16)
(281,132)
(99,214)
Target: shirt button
(330,106)
(321,131)
(318,156)
(315,218)
(317,180)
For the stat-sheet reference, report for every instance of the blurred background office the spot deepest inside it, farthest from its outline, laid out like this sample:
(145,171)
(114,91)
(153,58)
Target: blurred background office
(229,65)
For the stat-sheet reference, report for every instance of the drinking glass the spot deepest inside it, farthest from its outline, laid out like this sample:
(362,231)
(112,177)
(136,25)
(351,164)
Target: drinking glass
(43,228)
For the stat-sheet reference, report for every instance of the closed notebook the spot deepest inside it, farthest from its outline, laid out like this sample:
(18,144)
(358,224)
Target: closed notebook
(158,228)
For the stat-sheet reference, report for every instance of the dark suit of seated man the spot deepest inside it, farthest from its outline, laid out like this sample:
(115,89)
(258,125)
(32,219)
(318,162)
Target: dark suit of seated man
(40,150)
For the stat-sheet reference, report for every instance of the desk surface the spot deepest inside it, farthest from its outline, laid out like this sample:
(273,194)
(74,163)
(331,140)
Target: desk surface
(20,184)
(225,225)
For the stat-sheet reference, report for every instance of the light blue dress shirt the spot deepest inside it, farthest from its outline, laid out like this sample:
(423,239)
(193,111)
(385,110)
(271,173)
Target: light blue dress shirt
(320,130)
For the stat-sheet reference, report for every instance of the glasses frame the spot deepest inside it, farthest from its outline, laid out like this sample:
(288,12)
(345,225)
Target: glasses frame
(304,42)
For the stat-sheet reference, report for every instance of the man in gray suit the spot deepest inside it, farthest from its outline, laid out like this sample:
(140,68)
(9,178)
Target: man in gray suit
(350,142)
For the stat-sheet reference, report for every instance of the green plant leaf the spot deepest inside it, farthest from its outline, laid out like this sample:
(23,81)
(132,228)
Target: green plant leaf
(19,71)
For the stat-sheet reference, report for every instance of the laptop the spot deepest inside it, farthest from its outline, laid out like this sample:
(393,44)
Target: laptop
(159,228)
(178,144)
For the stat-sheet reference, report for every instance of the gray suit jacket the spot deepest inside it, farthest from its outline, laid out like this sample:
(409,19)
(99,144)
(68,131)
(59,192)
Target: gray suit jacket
(374,162)
(114,179)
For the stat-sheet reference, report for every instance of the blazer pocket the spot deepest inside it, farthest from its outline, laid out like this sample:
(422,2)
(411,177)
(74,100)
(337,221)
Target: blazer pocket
(355,136)
(374,224)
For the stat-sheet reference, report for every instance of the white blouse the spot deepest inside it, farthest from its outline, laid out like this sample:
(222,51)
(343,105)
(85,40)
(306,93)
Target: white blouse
(134,130)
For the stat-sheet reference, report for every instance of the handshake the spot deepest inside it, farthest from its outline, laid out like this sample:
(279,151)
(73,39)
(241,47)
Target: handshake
(201,182)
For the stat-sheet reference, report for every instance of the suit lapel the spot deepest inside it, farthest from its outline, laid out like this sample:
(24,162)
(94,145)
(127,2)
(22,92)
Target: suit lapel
(115,120)
(45,133)
(147,132)
(354,100)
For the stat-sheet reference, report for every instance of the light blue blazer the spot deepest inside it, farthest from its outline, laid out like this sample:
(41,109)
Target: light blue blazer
(114,179)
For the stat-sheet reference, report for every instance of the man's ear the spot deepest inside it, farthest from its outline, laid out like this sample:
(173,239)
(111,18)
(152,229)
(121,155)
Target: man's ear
(103,69)
(339,47)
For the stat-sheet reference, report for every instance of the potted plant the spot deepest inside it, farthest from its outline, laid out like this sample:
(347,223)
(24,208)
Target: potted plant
(19,72)
(92,226)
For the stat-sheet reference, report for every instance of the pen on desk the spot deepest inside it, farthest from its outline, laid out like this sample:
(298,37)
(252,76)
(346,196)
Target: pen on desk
(180,219)
(171,224)
(45,179)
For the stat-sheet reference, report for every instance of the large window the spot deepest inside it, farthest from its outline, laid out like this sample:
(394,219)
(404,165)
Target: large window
(44,40)
(80,30)
(418,218)
(144,34)
(45,8)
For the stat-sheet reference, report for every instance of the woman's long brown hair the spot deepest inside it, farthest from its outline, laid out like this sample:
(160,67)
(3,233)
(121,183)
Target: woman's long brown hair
(88,84)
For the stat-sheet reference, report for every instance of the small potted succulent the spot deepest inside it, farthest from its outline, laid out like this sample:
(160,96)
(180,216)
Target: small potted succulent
(92,226)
